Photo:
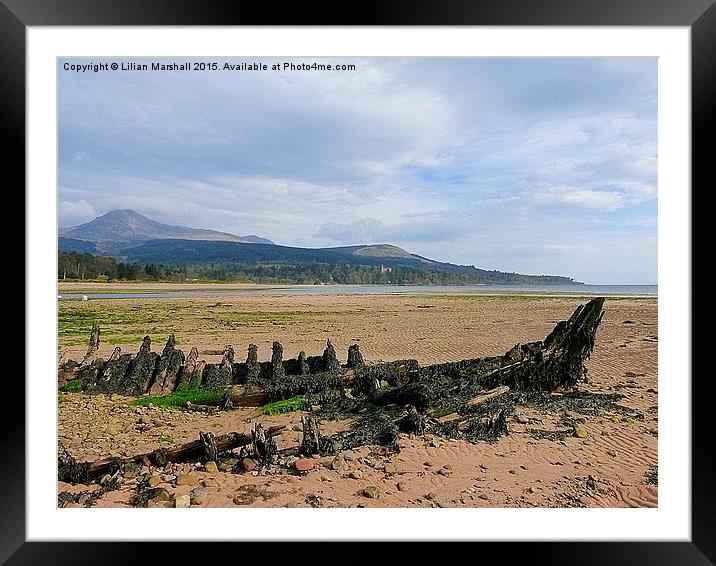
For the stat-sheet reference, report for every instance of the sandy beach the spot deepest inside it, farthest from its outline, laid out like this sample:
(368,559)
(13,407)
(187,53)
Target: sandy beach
(608,467)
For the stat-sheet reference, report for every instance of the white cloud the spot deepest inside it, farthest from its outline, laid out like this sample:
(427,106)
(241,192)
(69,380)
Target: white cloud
(73,213)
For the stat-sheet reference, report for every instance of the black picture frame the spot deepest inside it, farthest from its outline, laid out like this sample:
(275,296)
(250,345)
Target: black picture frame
(698,15)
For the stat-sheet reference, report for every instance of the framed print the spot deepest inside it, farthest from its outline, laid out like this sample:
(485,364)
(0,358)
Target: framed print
(421,276)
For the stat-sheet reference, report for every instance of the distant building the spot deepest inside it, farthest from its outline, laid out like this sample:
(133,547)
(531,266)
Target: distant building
(384,269)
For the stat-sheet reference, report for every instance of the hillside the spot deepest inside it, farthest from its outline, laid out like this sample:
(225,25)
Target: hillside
(122,228)
(124,244)
(390,263)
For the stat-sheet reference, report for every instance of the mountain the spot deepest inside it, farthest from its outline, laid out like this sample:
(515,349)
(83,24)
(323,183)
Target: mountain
(123,228)
(224,259)
(176,251)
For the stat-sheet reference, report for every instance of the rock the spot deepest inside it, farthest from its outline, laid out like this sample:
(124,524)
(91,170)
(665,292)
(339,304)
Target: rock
(483,496)
(444,472)
(349,455)
(441,504)
(579,432)
(197,496)
(105,479)
(186,479)
(356,475)
(613,453)
(145,420)
(531,489)
(402,486)
(296,428)
(522,419)
(153,481)
(161,497)
(169,477)
(371,492)
(248,464)
(291,505)
(430,496)
(339,464)
(211,467)
(428,464)
(182,501)
(210,482)
(390,468)
(304,464)
(592,482)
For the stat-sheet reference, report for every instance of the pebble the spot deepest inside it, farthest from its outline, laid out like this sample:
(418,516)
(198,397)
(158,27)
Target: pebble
(428,464)
(196,496)
(522,419)
(613,453)
(153,481)
(349,455)
(444,472)
(401,486)
(291,504)
(186,479)
(339,464)
(169,477)
(182,501)
(210,482)
(432,495)
(356,475)
(304,464)
(372,492)
(211,467)
(163,495)
(390,468)
(579,432)
(248,464)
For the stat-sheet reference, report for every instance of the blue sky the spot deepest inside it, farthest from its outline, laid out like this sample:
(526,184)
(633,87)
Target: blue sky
(541,166)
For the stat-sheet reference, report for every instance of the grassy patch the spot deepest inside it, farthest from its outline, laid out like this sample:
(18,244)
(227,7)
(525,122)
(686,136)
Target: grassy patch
(74,386)
(180,399)
(298,403)
(238,319)
(165,438)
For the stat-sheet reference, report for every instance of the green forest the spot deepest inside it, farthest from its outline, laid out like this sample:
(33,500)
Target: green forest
(83,266)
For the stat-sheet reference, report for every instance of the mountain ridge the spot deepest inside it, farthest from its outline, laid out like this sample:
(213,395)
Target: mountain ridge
(123,227)
(129,236)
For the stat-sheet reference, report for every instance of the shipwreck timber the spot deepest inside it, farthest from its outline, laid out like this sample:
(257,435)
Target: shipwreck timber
(470,399)
(558,361)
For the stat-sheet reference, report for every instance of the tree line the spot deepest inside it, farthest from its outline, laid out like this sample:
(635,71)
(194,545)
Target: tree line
(84,266)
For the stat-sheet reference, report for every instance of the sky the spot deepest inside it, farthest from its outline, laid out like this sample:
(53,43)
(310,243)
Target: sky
(536,166)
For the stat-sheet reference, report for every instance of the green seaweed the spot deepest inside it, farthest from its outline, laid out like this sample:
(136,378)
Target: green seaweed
(298,403)
(179,399)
